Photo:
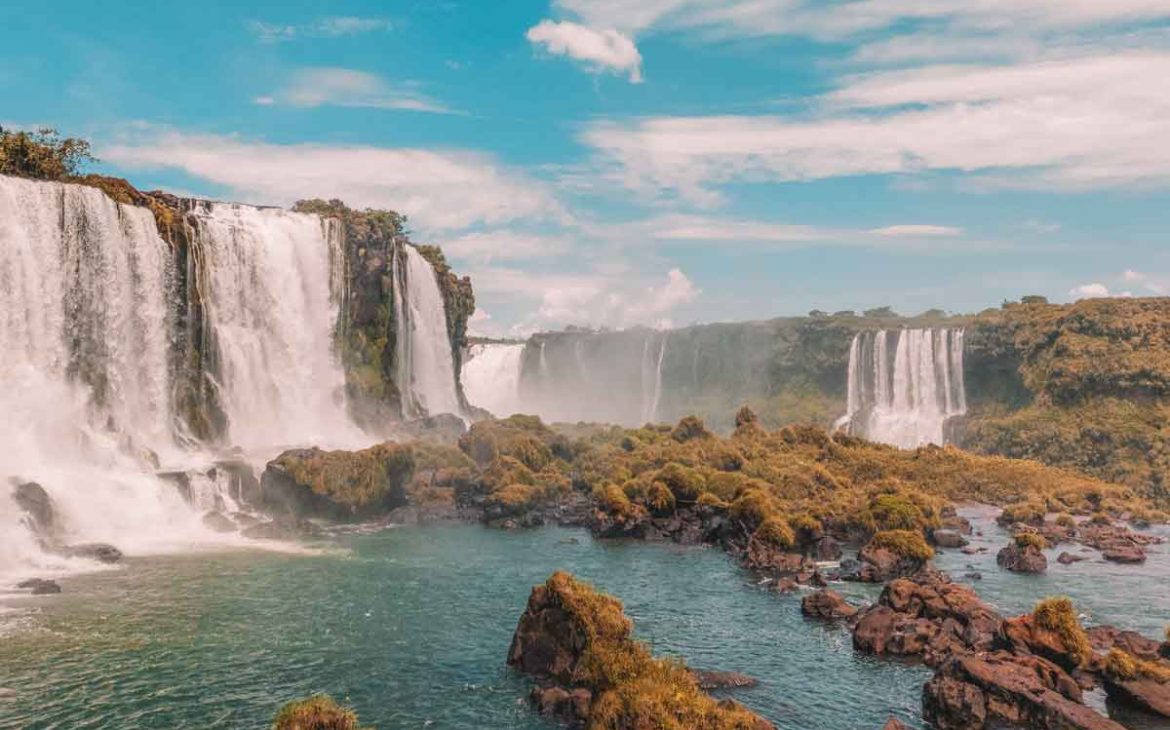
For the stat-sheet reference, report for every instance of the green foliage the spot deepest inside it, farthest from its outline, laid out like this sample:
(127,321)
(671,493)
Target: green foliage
(660,499)
(319,712)
(895,512)
(685,483)
(904,543)
(42,154)
(1056,614)
(365,478)
(690,428)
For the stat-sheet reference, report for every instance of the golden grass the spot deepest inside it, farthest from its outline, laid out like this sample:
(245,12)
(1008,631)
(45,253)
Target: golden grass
(1057,614)
(319,712)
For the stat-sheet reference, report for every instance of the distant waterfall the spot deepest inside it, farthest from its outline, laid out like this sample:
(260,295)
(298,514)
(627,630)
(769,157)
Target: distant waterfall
(269,303)
(425,369)
(84,335)
(905,399)
(652,378)
(491,377)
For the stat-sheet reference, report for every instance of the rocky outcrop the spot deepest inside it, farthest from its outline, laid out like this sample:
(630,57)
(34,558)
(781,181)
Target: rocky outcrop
(38,506)
(1022,559)
(40,586)
(998,690)
(880,564)
(948,539)
(99,551)
(337,485)
(577,644)
(828,605)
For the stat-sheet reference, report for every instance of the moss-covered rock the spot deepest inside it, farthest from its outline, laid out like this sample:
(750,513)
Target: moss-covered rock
(339,485)
(319,712)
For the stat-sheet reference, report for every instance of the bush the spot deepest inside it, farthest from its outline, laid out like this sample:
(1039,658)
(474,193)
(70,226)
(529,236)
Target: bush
(660,499)
(1057,615)
(1100,519)
(685,483)
(895,512)
(753,507)
(710,501)
(319,712)
(689,429)
(1030,539)
(1066,520)
(1122,666)
(1029,513)
(808,529)
(42,154)
(775,532)
(904,543)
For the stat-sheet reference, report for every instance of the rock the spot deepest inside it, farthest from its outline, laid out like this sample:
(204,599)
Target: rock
(1146,694)
(949,539)
(282,527)
(826,550)
(709,680)
(1024,635)
(1067,558)
(337,485)
(974,575)
(1104,638)
(99,551)
(1027,559)
(826,604)
(1126,553)
(219,522)
(785,584)
(1001,690)
(894,724)
(570,707)
(38,505)
(879,565)
(40,586)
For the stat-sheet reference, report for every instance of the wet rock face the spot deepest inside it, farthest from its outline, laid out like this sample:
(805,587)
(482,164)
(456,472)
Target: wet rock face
(949,539)
(548,643)
(99,551)
(38,506)
(974,692)
(1027,559)
(1124,553)
(879,565)
(1146,694)
(826,604)
(40,586)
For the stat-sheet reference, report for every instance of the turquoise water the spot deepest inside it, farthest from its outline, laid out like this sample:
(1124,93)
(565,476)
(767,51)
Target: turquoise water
(411,626)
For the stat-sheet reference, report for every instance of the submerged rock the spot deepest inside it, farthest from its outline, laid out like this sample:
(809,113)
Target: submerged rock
(99,551)
(949,539)
(1067,558)
(826,604)
(1124,553)
(282,527)
(711,679)
(40,586)
(1025,559)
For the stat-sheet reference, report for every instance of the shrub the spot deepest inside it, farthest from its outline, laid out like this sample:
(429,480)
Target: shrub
(1030,539)
(1026,512)
(319,712)
(895,512)
(710,501)
(775,532)
(1066,520)
(42,154)
(1056,614)
(689,429)
(904,543)
(515,498)
(684,482)
(1124,667)
(660,499)
(1100,519)
(808,529)
(752,508)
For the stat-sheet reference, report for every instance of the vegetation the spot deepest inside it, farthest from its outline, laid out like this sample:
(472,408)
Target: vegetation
(1056,614)
(1025,540)
(1121,666)
(904,543)
(632,688)
(319,712)
(42,154)
(361,479)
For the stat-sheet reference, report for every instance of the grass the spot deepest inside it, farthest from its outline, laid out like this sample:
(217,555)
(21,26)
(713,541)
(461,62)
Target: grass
(1122,666)
(319,712)
(1057,614)
(1025,540)
(904,543)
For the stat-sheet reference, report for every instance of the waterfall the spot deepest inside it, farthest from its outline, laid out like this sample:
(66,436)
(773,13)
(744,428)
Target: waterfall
(905,402)
(272,305)
(425,368)
(491,377)
(84,335)
(652,379)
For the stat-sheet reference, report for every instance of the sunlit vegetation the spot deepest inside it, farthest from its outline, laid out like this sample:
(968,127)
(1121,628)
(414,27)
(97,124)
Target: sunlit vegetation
(319,712)
(1121,666)
(1057,614)
(632,688)
(42,154)
(904,544)
(1030,540)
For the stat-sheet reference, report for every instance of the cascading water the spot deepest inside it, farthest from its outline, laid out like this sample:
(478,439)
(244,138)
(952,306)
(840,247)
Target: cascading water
(84,332)
(272,307)
(426,368)
(905,402)
(491,377)
(652,379)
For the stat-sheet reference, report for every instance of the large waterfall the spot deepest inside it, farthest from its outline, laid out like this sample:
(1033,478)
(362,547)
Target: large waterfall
(491,377)
(426,368)
(903,386)
(271,308)
(86,388)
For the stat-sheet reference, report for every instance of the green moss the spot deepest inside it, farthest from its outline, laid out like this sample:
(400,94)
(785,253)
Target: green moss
(319,712)
(365,478)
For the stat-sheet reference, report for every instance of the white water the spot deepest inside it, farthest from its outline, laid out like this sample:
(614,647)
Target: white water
(907,402)
(426,369)
(85,393)
(652,378)
(272,311)
(491,377)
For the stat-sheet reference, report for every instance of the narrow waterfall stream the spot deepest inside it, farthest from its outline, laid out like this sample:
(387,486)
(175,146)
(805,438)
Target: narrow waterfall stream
(426,368)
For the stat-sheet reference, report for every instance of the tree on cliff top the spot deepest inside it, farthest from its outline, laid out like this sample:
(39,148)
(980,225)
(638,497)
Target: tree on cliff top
(42,154)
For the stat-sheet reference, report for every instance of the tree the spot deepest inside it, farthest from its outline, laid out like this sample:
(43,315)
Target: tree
(1033,299)
(42,154)
(818,314)
(881,312)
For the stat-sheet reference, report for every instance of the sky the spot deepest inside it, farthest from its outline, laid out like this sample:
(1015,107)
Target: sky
(654,162)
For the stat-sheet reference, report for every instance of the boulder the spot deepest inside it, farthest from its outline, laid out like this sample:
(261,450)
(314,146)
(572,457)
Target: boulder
(1024,635)
(1103,638)
(1124,552)
(949,539)
(1067,558)
(1001,690)
(1145,693)
(99,551)
(894,724)
(826,550)
(337,485)
(710,679)
(40,586)
(879,564)
(282,527)
(826,604)
(38,505)
(219,522)
(1027,559)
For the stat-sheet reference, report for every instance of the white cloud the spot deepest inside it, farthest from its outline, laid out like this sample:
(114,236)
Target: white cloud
(330,27)
(1153,284)
(438,190)
(314,87)
(1091,122)
(917,231)
(604,50)
(1095,290)
(503,245)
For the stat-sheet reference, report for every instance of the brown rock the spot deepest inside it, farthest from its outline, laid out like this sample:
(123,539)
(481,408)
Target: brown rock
(879,565)
(974,692)
(826,604)
(1024,636)
(1146,694)
(1104,638)
(894,724)
(1067,558)
(1022,560)
(949,539)
(709,680)
(1124,552)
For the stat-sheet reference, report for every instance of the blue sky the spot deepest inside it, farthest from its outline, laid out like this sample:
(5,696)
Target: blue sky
(624,162)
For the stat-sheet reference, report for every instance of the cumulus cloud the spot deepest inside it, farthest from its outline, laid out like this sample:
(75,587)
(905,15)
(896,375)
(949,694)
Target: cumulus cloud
(917,231)
(1095,290)
(314,87)
(438,190)
(330,27)
(1089,122)
(606,50)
